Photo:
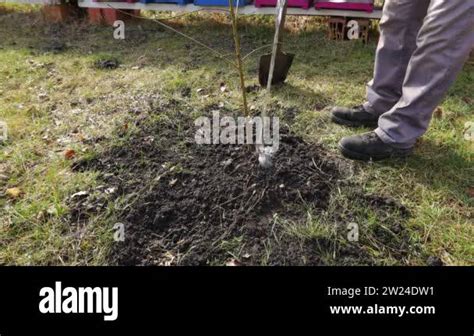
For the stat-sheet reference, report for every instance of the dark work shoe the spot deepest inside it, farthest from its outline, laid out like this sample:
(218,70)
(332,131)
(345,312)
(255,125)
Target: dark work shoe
(368,146)
(353,117)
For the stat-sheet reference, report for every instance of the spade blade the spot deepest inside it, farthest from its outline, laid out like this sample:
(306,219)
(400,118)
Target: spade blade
(283,63)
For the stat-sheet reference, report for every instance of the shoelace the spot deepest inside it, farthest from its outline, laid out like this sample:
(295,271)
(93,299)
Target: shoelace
(368,137)
(359,108)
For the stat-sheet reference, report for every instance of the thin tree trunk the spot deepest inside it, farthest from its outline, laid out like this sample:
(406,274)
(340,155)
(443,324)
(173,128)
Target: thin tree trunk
(238,55)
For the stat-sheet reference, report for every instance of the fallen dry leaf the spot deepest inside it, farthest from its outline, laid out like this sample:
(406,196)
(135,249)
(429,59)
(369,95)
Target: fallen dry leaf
(80,137)
(223,87)
(470,192)
(233,262)
(13,192)
(69,154)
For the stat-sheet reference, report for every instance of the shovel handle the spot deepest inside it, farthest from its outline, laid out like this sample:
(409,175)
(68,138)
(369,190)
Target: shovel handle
(280,23)
(277,39)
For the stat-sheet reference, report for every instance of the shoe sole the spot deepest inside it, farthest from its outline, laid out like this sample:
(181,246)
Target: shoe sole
(364,157)
(350,123)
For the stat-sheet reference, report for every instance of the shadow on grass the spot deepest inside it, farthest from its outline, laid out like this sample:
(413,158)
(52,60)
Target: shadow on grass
(439,167)
(297,95)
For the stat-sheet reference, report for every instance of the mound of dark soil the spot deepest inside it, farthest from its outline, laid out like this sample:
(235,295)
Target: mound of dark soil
(190,204)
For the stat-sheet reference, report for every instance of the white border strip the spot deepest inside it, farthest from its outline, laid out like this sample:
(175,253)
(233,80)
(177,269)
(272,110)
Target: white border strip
(247,10)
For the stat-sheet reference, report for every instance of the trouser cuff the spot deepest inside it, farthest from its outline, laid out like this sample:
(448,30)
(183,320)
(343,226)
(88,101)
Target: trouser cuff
(369,108)
(390,141)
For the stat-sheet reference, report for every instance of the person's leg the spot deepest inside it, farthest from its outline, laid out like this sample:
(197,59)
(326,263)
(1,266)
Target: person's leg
(443,45)
(399,27)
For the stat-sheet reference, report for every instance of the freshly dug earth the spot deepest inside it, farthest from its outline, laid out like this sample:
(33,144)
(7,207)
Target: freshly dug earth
(189,204)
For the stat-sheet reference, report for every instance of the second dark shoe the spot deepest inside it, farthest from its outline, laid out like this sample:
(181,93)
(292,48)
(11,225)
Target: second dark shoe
(369,146)
(353,117)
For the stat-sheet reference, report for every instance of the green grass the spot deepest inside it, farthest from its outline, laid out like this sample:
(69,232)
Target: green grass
(53,101)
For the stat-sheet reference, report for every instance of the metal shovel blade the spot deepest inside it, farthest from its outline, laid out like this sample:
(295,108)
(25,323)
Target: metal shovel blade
(283,63)
(274,67)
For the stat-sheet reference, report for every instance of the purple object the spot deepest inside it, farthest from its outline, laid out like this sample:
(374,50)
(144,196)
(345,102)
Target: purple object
(359,5)
(291,3)
(220,2)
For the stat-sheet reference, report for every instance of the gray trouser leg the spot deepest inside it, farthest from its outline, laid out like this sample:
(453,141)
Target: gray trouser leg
(399,27)
(443,45)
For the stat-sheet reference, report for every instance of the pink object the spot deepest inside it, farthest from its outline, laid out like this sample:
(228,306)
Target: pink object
(364,5)
(291,3)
